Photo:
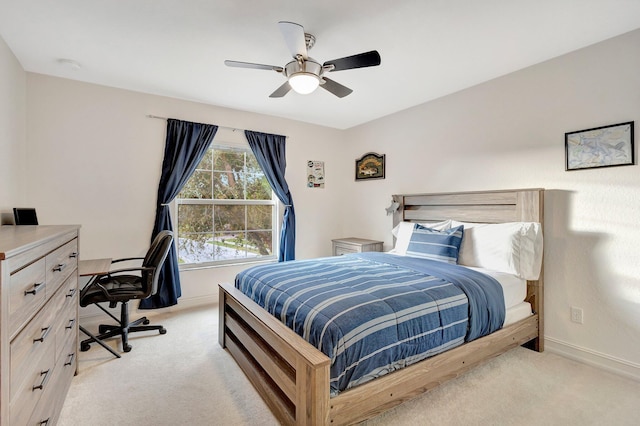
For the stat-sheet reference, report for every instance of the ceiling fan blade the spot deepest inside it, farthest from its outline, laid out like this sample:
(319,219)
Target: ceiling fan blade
(367,59)
(251,65)
(281,91)
(336,88)
(294,37)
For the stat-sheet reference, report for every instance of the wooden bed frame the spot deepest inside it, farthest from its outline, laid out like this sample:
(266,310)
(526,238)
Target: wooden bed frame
(292,376)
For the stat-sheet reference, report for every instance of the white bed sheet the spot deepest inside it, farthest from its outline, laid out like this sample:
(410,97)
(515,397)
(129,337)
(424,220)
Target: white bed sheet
(513,287)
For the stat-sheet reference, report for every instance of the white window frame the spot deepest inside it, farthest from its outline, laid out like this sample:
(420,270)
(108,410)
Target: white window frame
(276,219)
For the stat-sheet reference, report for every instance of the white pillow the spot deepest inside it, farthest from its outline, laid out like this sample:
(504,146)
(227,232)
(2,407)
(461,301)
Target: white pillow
(513,247)
(403,231)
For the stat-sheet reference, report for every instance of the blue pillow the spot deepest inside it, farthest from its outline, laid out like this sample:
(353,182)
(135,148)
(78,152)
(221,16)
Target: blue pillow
(442,246)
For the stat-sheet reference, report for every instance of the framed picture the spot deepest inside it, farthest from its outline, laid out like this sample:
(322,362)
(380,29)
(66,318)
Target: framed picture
(315,174)
(604,146)
(370,166)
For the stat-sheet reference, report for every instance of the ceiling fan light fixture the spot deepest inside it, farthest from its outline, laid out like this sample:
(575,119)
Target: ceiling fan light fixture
(304,82)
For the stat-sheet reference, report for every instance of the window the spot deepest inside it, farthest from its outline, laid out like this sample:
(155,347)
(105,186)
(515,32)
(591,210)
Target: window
(227,211)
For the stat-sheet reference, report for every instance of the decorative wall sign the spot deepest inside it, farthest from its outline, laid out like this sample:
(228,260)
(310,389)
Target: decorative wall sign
(370,166)
(604,146)
(315,174)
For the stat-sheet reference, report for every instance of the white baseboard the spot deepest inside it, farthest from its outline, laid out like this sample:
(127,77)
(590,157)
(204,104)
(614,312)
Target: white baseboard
(95,315)
(593,358)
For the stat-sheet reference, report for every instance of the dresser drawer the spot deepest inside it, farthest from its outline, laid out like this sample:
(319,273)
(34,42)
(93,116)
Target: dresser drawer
(38,379)
(26,294)
(34,343)
(66,305)
(60,264)
(50,404)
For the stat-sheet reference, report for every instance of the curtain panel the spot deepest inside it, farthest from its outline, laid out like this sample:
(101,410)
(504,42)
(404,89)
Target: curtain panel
(270,153)
(185,145)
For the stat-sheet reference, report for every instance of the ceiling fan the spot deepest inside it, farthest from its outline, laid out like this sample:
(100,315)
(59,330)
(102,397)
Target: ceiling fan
(304,74)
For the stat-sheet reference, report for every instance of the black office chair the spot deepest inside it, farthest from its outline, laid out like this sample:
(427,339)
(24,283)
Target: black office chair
(121,286)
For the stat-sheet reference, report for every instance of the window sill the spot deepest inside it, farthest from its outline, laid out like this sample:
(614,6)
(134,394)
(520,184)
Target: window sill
(193,267)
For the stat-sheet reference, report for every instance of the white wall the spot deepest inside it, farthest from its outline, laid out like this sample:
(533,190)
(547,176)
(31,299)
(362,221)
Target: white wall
(13,86)
(95,159)
(509,133)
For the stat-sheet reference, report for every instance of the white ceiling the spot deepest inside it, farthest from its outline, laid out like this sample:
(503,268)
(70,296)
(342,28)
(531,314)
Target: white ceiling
(429,48)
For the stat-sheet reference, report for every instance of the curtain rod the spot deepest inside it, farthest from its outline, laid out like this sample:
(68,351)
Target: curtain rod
(233,129)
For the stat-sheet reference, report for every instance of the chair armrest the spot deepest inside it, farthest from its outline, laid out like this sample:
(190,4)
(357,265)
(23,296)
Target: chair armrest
(125,259)
(134,269)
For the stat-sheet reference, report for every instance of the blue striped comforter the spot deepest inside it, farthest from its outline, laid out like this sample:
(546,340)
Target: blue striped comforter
(373,313)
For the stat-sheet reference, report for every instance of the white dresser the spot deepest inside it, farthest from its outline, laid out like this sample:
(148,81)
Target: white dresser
(38,321)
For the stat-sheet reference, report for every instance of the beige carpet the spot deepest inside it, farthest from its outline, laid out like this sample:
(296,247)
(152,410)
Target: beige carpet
(185,378)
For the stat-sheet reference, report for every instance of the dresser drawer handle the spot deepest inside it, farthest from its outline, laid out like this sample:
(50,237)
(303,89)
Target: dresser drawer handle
(73,255)
(70,357)
(45,332)
(60,267)
(44,381)
(36,288)
(71,292)
(71,322)
(44,422)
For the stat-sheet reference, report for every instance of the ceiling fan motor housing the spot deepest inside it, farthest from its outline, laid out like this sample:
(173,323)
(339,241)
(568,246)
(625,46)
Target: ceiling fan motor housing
(309,66)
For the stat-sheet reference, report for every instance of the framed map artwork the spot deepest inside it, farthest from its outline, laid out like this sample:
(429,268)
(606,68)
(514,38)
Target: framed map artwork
(604,146)
(370,166)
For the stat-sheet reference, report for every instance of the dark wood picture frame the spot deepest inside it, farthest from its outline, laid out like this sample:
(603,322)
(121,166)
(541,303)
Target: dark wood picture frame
(605,146)
(370,166)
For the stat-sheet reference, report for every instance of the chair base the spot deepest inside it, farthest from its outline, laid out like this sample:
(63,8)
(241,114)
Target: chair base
(106,330)
(85,343)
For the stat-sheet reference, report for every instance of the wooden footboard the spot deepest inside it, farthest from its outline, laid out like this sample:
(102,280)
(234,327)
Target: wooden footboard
(291,375)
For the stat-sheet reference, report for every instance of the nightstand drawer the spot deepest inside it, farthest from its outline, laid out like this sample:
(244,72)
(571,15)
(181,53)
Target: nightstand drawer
(354,245)
(340,250)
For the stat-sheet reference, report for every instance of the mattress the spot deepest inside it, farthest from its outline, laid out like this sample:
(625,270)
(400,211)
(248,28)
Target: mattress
(514,289)
(518,312)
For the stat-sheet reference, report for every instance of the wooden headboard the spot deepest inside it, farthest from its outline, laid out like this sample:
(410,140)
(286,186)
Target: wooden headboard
(517,205)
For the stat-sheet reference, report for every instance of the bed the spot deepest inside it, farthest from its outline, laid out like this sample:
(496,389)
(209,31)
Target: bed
(293,377)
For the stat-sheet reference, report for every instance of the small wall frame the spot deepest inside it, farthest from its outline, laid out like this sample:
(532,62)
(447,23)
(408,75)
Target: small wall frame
(605,146)
(370,166)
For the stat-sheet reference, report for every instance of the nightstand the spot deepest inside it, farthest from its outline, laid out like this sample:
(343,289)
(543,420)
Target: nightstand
(354,245)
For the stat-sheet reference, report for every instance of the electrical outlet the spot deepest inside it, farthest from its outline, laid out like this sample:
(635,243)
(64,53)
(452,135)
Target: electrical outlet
(577,315)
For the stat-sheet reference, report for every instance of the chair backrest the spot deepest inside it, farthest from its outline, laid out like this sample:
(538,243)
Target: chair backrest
(25,216)
(154,259)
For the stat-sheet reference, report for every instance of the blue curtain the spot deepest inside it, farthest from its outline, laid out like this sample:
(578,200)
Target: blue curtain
(185,146)
(270,153)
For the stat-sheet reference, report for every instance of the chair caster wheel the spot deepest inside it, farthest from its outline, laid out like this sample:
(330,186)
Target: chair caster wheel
(126,348)
(163,331)
(145,322)
(85,347)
